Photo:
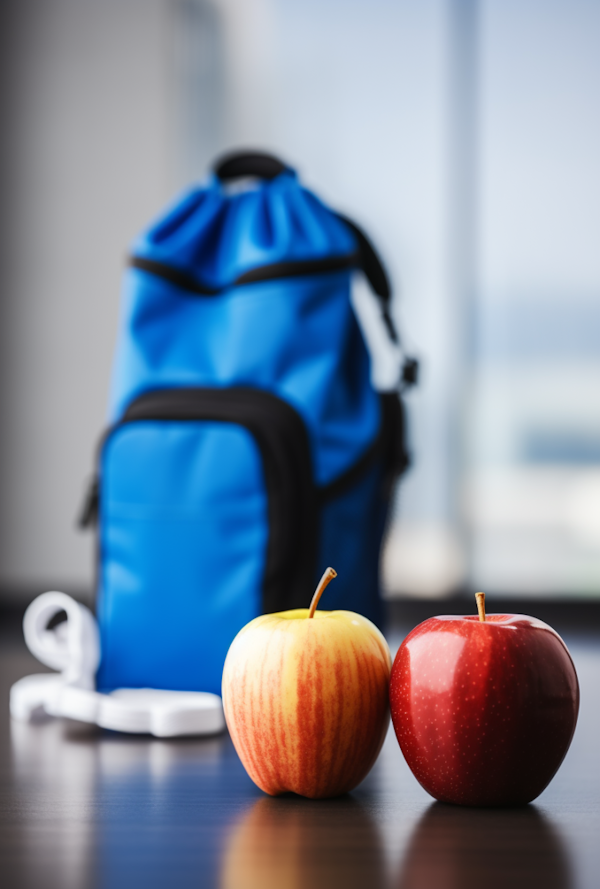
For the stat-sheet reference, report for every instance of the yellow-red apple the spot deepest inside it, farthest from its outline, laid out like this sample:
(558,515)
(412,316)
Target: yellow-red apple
(305,694)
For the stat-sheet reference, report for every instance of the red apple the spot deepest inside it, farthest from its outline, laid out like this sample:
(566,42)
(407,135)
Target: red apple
(484,708)
(305,695)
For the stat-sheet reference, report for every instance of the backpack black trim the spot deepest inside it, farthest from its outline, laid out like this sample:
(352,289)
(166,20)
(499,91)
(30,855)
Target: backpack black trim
(293,497)
(282,439)
(293,269)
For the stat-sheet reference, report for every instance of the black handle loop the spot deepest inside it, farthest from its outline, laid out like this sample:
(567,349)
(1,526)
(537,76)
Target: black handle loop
(248,163)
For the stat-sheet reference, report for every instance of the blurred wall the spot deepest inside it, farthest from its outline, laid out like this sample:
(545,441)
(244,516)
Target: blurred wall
(84,163)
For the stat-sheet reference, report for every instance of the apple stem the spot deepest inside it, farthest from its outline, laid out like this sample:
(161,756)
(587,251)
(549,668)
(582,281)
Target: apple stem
(328,575)
(480,599)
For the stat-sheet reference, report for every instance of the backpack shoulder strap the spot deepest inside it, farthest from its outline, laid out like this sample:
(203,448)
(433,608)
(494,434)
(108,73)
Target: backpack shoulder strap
(375,273)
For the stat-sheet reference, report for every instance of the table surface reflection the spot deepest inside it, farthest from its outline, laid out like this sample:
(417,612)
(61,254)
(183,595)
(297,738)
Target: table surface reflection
(82,807)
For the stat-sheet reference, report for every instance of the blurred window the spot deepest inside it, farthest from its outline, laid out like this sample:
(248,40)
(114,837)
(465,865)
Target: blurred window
(533,468)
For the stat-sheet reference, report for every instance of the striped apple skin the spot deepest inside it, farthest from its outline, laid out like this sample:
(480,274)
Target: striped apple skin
(306,700)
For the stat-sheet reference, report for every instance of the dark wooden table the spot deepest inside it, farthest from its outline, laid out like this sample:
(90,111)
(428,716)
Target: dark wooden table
(81,807)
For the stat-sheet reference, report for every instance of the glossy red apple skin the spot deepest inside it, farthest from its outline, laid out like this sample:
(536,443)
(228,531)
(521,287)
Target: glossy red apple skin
(484,712)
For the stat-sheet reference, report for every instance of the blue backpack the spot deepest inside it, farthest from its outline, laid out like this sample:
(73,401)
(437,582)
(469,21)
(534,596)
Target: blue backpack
(247,449)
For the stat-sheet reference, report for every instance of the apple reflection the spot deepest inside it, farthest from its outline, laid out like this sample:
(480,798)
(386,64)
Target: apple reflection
(459,848)
(294,843)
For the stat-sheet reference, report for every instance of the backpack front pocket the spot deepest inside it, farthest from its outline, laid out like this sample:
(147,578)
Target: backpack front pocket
(207,517)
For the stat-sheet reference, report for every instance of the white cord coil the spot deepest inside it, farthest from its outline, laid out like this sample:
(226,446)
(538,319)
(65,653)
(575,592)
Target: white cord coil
(73,647)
